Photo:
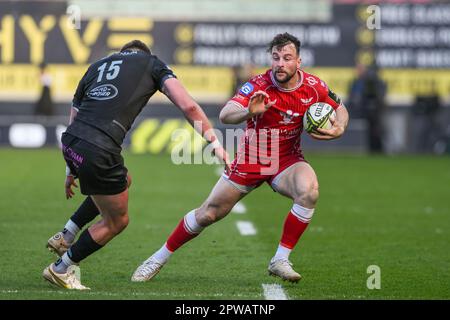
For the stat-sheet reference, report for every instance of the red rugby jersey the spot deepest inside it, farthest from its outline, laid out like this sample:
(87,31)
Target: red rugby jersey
(282,124)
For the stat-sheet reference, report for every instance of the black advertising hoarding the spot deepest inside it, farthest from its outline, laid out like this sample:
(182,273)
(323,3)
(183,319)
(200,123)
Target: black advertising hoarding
(331,44)
(38,32)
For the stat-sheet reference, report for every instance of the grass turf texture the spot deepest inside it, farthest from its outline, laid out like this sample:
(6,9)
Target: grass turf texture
(391,212)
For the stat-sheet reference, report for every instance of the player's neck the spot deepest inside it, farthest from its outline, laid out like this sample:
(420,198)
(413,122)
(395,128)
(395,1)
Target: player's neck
(292,83)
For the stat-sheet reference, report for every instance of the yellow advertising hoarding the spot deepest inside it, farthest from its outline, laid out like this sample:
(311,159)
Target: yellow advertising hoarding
(215,84)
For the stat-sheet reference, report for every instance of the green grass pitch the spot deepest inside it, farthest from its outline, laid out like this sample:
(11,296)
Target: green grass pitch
(393,212)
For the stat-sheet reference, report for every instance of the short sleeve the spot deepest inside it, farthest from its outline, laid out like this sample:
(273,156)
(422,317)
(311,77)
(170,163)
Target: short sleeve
(328,96)
(79,93)
(242,97)
(161,72)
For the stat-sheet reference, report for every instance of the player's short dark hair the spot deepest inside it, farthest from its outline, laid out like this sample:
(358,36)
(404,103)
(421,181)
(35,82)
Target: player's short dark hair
(282,39)
(136,44)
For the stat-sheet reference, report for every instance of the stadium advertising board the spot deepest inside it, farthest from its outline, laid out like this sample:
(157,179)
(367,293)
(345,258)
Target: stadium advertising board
(410,42)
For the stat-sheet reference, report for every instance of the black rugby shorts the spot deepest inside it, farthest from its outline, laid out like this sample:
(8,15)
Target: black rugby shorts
(98,171)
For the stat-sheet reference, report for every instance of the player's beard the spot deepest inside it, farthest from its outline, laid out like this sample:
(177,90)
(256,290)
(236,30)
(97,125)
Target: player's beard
(286,79)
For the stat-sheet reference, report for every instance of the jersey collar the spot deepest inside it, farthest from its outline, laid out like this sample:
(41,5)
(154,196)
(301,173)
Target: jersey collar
(283,89)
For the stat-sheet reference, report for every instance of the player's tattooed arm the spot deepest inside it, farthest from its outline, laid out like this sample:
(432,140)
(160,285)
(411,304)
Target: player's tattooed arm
(193,113)
(176,92)
(339,126)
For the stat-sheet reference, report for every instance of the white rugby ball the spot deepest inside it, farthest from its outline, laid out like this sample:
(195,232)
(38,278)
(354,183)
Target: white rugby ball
(318,115)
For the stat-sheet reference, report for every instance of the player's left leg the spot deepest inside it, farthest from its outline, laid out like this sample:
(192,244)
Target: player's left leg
(298,182)
(219,203)
(88,211)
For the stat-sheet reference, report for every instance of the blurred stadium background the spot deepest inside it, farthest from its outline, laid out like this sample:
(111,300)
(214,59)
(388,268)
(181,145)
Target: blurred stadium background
(205,40)
(212,46)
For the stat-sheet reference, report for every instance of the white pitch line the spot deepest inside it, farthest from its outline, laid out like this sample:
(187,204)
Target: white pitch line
(239,208)
(246,228)
(316,229)
(274,292)
(139,294)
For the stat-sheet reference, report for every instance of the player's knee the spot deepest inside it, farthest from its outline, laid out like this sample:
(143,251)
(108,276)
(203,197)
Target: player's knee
(118,210)
(308,196)
(210,213)
(313,195)
(118,223)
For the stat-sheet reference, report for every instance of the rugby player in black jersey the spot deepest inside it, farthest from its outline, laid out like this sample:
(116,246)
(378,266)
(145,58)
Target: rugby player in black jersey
(108,99)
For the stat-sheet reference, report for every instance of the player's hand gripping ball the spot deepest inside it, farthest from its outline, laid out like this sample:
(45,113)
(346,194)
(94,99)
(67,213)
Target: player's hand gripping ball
(318,115)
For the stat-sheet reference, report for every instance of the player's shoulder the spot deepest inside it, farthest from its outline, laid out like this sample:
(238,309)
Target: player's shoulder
(158,61)
(313,81)
(263,80)
(255,83)
(259,82)
(96,64)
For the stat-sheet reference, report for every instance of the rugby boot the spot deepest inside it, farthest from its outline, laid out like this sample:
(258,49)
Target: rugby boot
(57,244)
(147,270)
(68,280)
(283,268)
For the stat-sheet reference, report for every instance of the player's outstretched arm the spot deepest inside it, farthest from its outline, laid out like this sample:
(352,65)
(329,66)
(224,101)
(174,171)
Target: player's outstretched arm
(338,128)
(176,92)
(234,114)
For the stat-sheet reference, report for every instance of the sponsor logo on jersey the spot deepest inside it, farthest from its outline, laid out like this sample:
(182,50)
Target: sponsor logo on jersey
(288,116)
(246,89)
(103,92)
(261,81)
(306,101)
(311,80)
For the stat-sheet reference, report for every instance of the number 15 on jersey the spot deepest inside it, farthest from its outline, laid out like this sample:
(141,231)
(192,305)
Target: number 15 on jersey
(113,70)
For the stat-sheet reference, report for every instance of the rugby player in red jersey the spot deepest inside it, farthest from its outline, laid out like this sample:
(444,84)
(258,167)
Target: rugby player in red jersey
(273,105)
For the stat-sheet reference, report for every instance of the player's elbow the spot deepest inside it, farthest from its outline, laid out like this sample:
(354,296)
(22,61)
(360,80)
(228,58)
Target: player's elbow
(225,116)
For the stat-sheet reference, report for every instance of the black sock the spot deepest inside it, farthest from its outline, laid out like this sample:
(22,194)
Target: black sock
(84,247)
(85,213)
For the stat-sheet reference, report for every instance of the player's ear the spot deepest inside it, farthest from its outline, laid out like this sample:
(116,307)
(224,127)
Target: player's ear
(299,62)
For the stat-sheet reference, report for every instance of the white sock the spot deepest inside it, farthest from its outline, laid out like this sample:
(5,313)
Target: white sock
(191,222)
(70,231)
(162,255)
(62,264)
(282,253)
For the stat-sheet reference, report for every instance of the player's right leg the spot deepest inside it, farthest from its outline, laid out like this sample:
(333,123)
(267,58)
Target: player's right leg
(298,182)
(114,210)
(60,242)
(219,203)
